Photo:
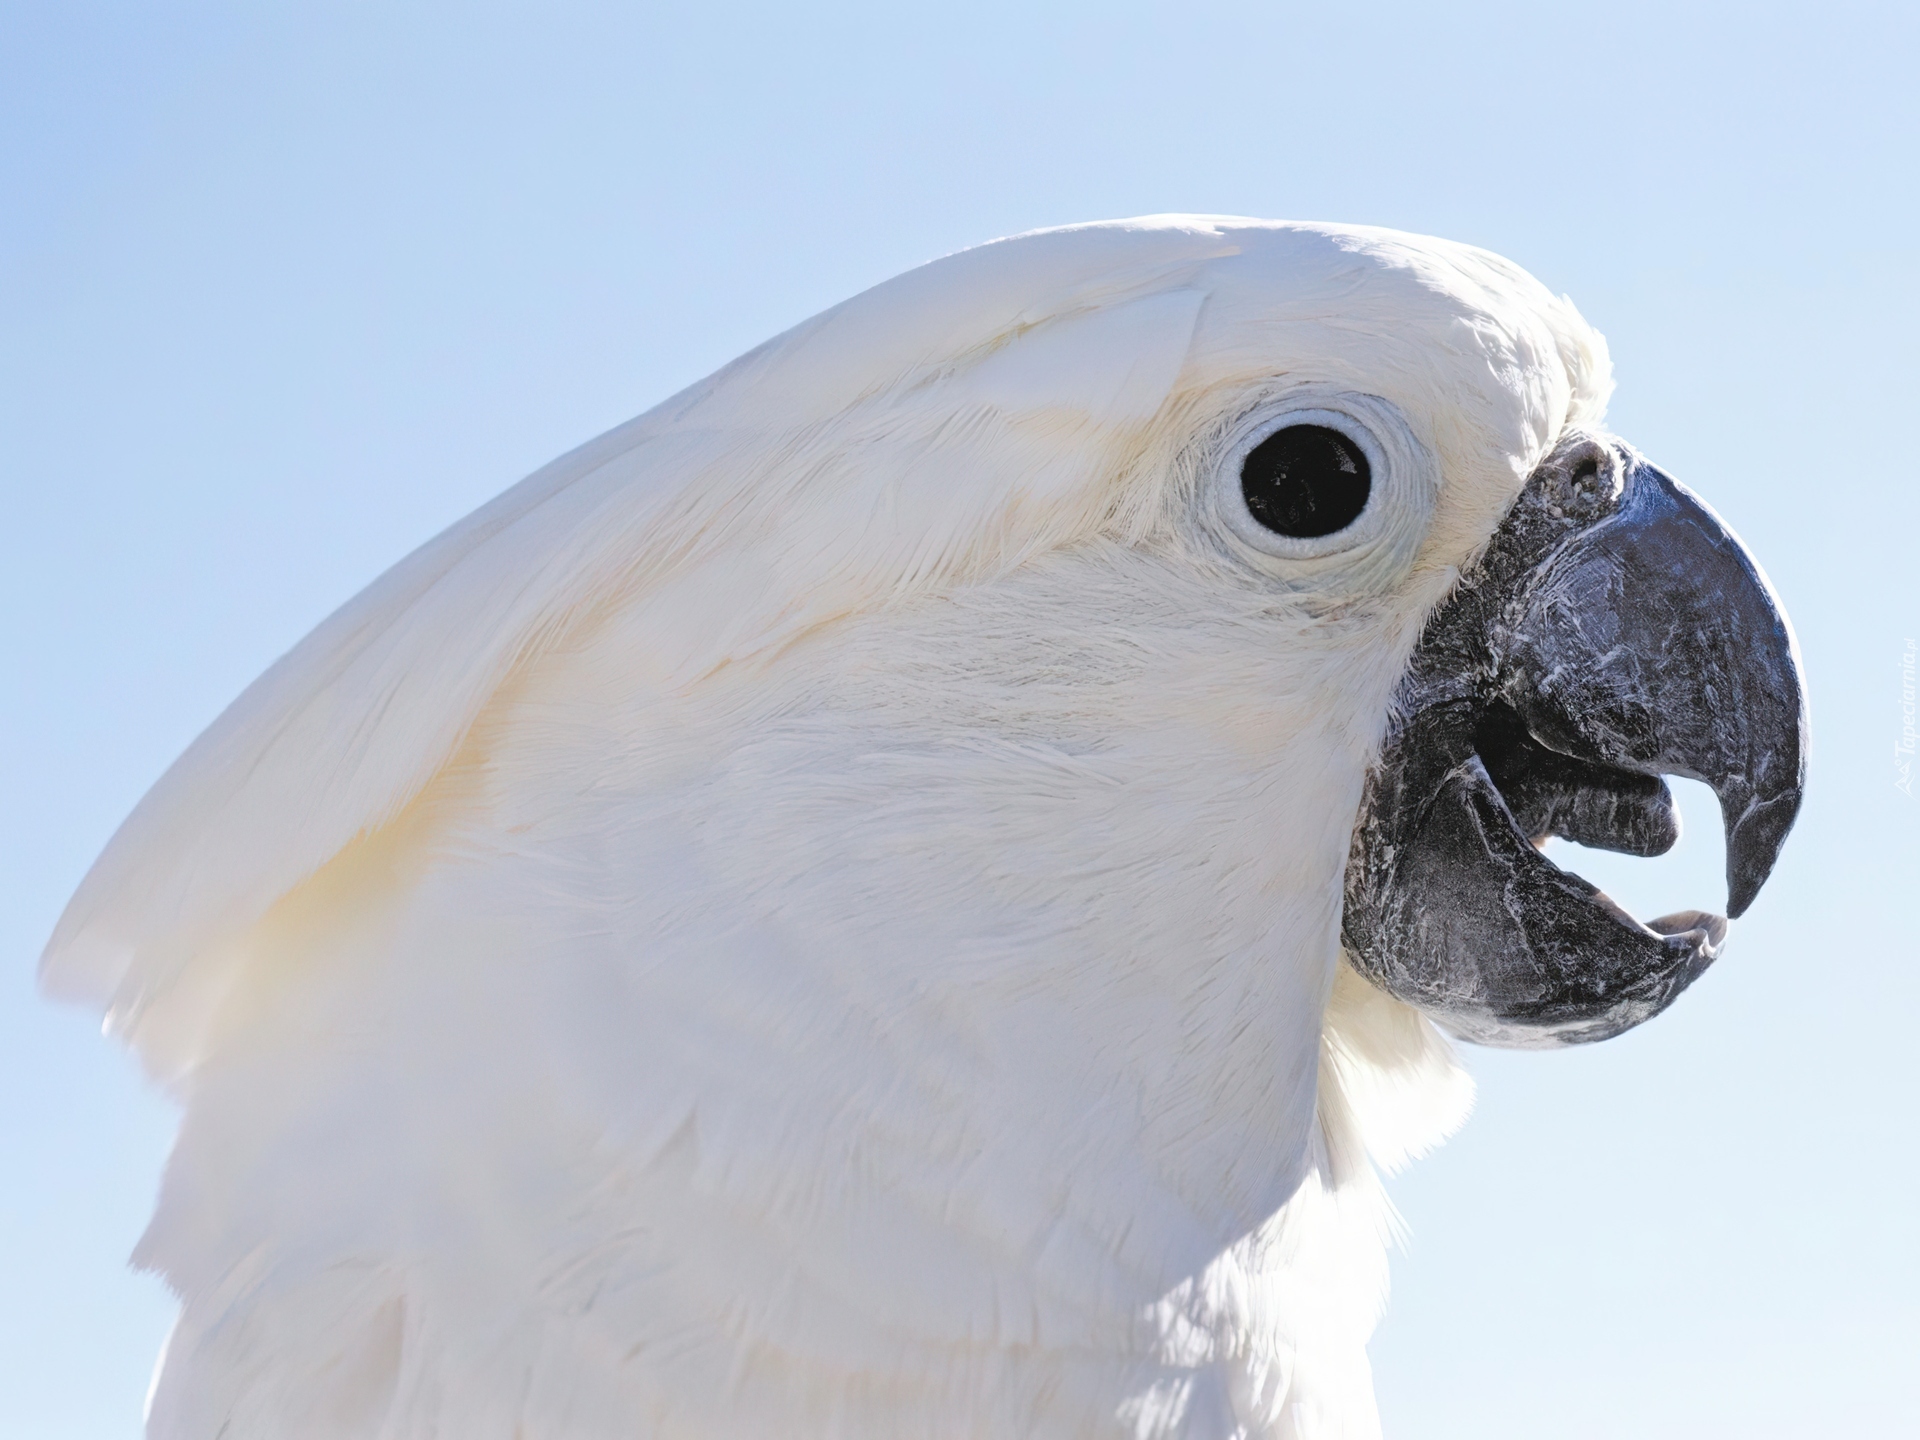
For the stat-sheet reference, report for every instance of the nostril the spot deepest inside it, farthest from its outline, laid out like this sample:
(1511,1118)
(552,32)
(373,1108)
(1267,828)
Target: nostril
(1581,477)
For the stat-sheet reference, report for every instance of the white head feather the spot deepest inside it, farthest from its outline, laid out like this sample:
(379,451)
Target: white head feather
(816,913)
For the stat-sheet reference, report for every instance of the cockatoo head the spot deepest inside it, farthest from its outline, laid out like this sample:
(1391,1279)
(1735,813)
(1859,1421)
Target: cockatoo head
(898,809)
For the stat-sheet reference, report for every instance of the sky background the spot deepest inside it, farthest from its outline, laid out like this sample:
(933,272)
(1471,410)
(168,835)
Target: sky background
(285,289)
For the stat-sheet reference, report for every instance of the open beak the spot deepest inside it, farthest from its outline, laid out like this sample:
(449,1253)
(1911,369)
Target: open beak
(1615,631)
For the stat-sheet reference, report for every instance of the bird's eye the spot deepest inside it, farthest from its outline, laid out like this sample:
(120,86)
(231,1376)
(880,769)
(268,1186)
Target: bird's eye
(1322,490)
(1305,481)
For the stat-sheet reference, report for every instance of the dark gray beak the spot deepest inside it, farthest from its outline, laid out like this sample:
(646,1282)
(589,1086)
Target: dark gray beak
(1615,631)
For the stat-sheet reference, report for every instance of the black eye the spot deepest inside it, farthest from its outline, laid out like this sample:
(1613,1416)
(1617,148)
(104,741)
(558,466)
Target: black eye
(1306,481)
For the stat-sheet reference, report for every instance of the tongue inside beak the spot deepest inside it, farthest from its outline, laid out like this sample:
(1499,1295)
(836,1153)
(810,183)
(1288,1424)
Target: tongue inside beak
(1558,796)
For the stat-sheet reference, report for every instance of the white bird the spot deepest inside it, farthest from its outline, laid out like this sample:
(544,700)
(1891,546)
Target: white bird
(820,912)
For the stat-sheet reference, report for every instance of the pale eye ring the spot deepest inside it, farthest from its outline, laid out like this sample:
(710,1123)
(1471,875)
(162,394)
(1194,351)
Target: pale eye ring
(1324,489)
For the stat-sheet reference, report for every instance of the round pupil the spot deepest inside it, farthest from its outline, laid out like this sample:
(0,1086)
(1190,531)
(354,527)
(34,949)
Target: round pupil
(1306,481)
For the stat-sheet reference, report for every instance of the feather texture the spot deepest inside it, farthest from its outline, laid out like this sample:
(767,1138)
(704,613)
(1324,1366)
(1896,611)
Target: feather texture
(817,913)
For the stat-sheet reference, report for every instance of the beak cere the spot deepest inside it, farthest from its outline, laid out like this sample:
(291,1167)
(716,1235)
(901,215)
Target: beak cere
(1614,632)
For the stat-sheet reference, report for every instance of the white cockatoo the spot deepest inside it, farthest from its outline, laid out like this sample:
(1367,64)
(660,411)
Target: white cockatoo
(905,891)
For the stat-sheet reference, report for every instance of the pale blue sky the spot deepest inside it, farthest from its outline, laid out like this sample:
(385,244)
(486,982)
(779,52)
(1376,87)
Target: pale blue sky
(288,288)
